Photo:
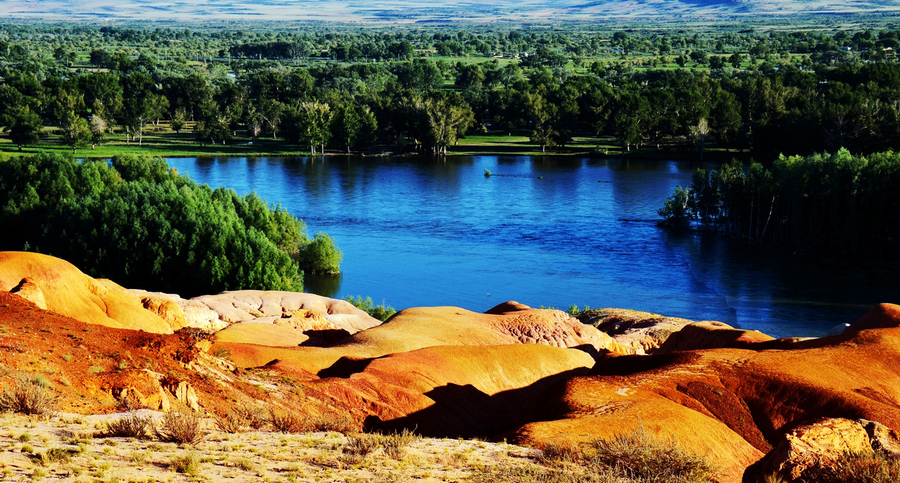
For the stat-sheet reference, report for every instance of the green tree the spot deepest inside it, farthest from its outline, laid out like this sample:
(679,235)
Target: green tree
(179,119)
(24,126)
(440,119)
(321,255)
(98,130)
(675,212)
(144,225)
(542,115)
(75,131)
(310,124)
(355,125)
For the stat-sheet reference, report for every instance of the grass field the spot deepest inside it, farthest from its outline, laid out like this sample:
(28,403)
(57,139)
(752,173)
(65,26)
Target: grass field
(161,141)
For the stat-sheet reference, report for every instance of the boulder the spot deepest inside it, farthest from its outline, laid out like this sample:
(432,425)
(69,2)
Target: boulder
(710,335)
(823,443)
(640,332)
(246,305)
(647,333)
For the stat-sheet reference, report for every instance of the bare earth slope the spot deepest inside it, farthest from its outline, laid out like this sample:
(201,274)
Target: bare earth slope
(730,404)
(67,291)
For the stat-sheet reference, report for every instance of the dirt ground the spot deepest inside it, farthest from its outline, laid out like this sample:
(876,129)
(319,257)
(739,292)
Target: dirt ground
(29,447)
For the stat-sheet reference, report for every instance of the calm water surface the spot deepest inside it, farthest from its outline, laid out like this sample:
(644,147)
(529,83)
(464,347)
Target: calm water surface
(542,231)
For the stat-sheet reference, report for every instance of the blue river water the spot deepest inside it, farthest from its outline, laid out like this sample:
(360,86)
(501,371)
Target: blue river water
(544,231)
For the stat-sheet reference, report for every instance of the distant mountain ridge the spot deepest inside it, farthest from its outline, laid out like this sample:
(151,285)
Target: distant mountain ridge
(414,11)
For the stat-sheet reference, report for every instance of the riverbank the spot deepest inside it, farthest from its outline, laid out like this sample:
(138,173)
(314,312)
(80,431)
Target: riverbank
(166,143)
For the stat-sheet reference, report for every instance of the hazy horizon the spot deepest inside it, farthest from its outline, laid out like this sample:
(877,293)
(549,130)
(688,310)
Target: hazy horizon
(403,11)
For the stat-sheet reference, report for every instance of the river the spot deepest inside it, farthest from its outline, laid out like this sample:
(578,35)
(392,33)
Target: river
(544,231)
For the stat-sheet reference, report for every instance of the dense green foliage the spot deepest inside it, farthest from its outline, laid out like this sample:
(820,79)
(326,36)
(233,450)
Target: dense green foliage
(832,204)
(768,92)
(380,312)
(143,225)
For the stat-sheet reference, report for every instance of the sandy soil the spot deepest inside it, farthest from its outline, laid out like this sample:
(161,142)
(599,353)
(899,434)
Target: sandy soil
(249,456)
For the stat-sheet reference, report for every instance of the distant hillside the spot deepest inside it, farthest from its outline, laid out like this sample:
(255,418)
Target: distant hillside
(417,11)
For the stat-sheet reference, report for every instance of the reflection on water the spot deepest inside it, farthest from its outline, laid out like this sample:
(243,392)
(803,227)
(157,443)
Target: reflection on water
(543,231)
(325,285)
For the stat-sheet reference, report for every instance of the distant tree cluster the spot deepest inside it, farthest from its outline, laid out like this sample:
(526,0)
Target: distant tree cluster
(773,92)
(143,225)
(833,204)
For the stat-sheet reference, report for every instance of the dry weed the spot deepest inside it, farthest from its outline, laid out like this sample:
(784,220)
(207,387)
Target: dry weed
(289,421)
(359,446)
(868,467)
(395,444)
(28,396)
(131,426)
(641,455)
(186,463)
(180,427)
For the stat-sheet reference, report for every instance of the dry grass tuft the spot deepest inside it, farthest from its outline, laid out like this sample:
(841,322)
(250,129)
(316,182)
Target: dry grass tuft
(180,427)
(289,422)
(875,467)
(230,423)
(340,422)
(561,452)
(642,456)
(186,463)
(252,416)
(56,455)
(361,445)
(28,396)
(131,426)
(395,444)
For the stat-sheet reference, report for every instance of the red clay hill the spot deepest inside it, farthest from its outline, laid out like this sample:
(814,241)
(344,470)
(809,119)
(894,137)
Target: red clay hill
(532,376)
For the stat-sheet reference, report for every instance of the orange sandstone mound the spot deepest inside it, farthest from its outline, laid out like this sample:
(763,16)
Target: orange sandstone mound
(730,404)
(452,390)
(96,369)
(417,328)
(878,317)
(59,286)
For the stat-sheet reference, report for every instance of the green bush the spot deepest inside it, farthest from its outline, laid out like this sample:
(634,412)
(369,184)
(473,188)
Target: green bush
(186,463)
(142,224)
(321,255)
(380,312)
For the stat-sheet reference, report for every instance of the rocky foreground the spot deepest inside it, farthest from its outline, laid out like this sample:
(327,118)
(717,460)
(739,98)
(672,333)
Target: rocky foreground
(751,405)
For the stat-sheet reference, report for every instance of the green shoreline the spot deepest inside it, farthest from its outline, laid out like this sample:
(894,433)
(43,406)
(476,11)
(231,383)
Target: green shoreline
(512,144)
(109,151)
